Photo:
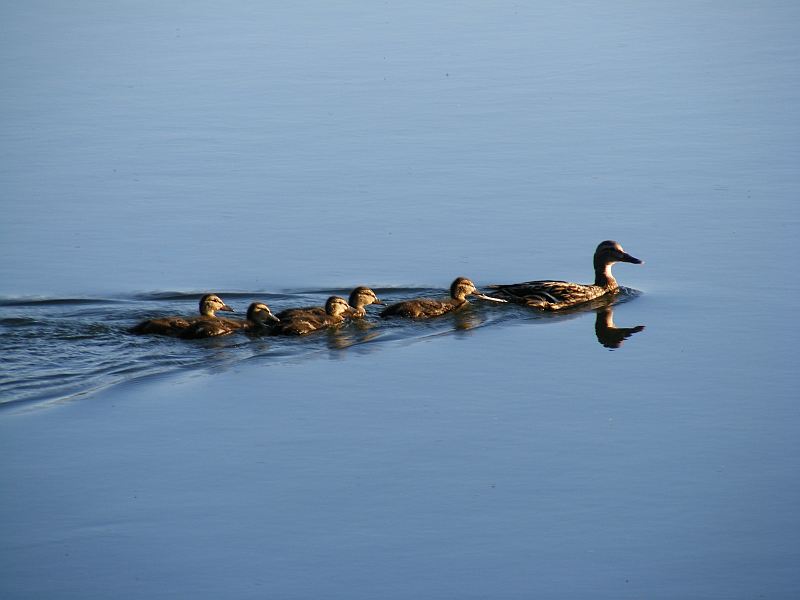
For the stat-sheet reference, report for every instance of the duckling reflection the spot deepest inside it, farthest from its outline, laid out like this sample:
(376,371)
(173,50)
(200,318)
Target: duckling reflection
(259,319)
(467,319)
(608,334)
(558,295)
(209,305)
(360,297)
(425,308)
(304,321)
(356,332)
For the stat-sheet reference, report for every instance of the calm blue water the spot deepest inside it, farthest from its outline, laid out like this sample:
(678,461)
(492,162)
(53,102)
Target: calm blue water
(150,152)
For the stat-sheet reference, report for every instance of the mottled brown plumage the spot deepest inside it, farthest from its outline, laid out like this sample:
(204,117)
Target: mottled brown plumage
(557,295)
(306,321)
(209,305)
(424,308)
(259,318)
(359,298)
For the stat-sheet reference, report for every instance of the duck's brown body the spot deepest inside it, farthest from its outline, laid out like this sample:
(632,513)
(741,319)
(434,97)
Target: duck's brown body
(359,298)
(425,308)
(175,326)
(304,321)
(558,295)
(259,319)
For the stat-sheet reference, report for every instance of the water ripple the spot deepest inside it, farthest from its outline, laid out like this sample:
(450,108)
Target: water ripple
(61,347)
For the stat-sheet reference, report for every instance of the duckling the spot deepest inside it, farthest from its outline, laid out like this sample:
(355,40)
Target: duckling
(557,295)
(306,321)
(259,318)
(359,298)
(423,308)
(209,305)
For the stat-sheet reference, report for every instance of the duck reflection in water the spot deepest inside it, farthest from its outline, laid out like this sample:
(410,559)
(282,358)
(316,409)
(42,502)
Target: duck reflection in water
(608,334)
(466,320)
(354,333)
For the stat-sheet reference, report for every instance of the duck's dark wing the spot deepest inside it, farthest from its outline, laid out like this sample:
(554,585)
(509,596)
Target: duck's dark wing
(549,295)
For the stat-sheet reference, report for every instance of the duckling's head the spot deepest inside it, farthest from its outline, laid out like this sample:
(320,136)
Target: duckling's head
(360,297)
(211,303)
(259,313)
(337,307)
(610,252)
(461,288)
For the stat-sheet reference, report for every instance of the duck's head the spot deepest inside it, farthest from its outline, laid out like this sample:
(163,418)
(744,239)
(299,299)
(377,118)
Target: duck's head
(610,252)
(259,313)
(461,288)
(337,307)
(211,303)
(362,296)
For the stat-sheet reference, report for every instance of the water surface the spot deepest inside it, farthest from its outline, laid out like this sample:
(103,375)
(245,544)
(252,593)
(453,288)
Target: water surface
(151,152)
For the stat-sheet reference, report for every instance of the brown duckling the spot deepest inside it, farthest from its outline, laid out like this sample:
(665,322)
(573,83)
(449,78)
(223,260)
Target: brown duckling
(359,298)
(259,318)
(209,305)
(423,308)
(557,295)
(306,321)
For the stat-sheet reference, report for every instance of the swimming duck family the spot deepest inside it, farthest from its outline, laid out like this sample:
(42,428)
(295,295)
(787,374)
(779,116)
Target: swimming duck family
(558,295)
(550,295)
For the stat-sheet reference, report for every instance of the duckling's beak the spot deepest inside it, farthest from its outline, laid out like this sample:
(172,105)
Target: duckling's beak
(273,318)
(226,308)
(379,302)
(630,259)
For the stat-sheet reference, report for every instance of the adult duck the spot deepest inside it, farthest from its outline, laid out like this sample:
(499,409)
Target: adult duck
(305,321)
(425,308)
(209,305)
(557,295)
